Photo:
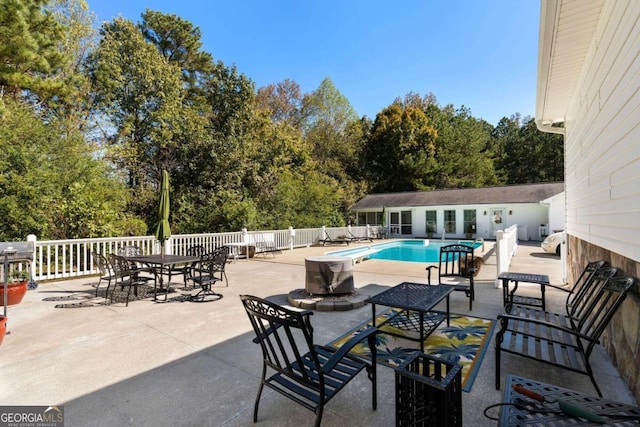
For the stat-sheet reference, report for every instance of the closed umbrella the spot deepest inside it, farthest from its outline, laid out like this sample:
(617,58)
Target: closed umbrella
(163,232)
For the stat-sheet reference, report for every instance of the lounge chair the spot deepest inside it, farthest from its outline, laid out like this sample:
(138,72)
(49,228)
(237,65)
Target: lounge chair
(355,238)
(329,240)
(265,245)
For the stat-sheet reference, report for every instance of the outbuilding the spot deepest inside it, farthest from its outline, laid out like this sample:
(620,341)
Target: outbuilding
(537,210)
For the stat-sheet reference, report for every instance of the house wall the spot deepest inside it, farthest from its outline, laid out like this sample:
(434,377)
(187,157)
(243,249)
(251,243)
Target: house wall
(602,177)
(556,213)
(602,153)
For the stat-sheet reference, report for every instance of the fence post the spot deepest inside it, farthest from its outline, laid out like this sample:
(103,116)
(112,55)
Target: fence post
(500,254)
(32,265)
(292,237)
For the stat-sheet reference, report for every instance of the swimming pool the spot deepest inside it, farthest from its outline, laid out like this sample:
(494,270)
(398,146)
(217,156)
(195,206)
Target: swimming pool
(416,250)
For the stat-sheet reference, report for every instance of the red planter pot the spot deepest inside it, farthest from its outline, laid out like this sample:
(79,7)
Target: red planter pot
(15,293)
(3,327)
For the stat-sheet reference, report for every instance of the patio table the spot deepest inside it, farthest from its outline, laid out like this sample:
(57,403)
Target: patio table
(417,297)
(158,263)
(509,296)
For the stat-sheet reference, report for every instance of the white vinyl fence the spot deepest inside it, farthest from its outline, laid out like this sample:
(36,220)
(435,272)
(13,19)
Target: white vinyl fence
(58,259)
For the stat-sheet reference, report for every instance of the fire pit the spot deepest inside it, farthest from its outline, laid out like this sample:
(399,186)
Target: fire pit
(328,275)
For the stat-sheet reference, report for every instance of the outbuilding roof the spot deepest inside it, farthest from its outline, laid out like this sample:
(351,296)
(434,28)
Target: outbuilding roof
(527,193)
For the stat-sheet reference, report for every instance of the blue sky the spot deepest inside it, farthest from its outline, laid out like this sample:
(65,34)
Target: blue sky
(480,54)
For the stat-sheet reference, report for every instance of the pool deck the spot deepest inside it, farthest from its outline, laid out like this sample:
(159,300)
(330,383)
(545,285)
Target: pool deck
(193,364)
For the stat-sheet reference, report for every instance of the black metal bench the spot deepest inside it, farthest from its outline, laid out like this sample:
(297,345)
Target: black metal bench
(565,341)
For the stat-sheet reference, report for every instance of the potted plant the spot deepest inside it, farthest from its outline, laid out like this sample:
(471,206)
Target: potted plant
(3,327)
(16,288)
(471,229)
(430,231)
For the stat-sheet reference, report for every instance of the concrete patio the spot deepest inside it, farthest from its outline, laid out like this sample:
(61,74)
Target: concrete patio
(184,363)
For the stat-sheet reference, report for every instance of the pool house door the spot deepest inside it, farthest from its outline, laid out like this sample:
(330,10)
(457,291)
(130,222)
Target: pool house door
(400,223)
(497,220)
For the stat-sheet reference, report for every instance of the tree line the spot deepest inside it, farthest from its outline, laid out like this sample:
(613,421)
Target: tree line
(91,116)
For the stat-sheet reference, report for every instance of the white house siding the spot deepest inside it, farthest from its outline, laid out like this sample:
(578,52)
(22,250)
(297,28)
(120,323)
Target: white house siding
(602,153)
(557,208)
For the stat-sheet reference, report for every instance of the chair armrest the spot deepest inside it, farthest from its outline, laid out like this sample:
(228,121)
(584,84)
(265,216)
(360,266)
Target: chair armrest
(560,288)
(505,318)
(346,347)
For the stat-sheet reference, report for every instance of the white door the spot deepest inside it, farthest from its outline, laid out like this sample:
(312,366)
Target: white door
(498,220)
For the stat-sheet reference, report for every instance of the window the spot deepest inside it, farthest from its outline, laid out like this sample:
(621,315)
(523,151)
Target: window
(430,221)
(371,218)
(470,221)
(450,221)
(405,227)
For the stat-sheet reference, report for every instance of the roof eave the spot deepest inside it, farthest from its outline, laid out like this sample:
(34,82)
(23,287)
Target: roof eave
(567,29)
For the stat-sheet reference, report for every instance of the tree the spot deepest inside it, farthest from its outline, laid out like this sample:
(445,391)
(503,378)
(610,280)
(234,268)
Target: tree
(141,96)
(523,154)
(51,184)
(400,152)
(282,101)
(29,54)
(179,42)
(462,142)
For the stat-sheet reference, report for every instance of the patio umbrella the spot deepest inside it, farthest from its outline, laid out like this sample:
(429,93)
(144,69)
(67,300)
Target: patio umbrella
(163,232)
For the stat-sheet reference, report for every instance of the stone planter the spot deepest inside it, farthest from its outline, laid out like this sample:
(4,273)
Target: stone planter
(3,327)
(15,292)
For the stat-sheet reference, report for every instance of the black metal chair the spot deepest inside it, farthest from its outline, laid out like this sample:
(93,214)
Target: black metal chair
(457,261)
(185,269)
(307,373)
(206,273)
(125,276)
(133,250)
(106,270)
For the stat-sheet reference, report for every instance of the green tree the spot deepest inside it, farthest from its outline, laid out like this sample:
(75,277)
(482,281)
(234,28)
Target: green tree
(140,94)
(29,50)
(400,152)
(51,184)
(523,154)
(462,143)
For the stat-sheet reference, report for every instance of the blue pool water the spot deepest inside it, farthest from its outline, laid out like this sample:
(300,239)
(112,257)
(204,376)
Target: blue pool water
(401,250)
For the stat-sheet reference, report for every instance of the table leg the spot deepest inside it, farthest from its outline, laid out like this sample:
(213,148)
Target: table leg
(448,320)
(373,315)
(421,331)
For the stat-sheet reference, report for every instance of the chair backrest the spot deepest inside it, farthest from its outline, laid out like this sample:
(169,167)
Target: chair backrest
(456,260)
(102,263)
(582,283)
(196,250)
(585,286)
(276,328)
(120,265)
(601,303)
(213,263)
(130,250)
